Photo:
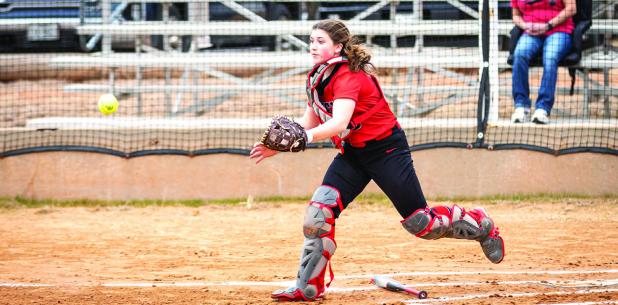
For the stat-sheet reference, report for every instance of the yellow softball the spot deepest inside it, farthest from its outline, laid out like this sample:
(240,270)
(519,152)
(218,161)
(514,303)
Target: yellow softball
(108,104)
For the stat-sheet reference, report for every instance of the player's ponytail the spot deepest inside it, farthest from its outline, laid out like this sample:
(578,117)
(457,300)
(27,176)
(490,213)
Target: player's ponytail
(358,55)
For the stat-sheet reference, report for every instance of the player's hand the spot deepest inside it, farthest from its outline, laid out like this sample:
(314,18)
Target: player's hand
(261,152)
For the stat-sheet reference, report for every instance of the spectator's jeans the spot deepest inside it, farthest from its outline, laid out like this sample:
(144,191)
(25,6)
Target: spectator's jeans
(555,47)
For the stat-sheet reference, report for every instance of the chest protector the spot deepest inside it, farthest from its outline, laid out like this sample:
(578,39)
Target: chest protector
(324,110)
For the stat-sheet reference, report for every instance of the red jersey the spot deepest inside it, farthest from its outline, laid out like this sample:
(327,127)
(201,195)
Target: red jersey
(360,87)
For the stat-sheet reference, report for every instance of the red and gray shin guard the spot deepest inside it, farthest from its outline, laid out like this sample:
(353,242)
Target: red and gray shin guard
(456,222)
(319,246)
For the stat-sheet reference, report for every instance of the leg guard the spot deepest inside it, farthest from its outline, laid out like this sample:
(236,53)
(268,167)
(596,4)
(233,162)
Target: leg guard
(319,246)
(455,222)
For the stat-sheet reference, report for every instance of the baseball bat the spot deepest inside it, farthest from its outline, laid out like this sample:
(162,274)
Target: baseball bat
(392,285)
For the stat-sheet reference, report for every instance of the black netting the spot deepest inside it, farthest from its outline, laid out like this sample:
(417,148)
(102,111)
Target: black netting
(200,77)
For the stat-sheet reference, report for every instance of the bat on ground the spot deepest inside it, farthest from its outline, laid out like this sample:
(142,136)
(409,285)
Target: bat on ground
(392,285)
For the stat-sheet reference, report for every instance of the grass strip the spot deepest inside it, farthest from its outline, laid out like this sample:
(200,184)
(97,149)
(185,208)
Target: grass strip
(369,199)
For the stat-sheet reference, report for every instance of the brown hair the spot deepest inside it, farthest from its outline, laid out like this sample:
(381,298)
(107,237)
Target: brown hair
(358,55)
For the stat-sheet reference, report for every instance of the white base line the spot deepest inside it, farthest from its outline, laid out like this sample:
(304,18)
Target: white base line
(289,283)
(584,303)
(16,285)
(549,272)
(564,284)
(553,284)
(198,284)
(505,295)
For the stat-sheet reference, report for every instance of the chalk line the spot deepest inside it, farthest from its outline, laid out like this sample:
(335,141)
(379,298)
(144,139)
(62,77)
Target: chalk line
(289,283)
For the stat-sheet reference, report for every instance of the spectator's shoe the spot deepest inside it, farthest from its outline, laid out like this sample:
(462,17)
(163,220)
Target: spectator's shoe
(540,117)
(520,115)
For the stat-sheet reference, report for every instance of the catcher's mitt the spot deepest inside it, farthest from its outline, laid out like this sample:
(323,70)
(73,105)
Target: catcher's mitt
(284,134)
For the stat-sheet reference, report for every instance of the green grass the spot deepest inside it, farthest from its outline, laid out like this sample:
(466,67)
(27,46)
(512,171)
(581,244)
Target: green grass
(371,198)
(542,197)
(37,203)
(378,198)
(21,202)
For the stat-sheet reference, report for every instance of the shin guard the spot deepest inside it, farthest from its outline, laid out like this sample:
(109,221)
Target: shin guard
(456,222)
(318,247)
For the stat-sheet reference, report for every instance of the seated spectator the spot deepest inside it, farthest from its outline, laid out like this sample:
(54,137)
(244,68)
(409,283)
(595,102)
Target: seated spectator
(547,26)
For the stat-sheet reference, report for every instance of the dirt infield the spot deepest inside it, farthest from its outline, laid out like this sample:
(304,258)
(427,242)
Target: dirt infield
(559,252)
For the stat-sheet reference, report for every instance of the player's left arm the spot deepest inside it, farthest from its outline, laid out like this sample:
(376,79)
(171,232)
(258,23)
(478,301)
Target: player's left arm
(260,152)
(343,109)
(342,113)
(309,119)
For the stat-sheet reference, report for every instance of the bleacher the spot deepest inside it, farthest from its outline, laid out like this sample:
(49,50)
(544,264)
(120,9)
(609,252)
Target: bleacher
(212,63)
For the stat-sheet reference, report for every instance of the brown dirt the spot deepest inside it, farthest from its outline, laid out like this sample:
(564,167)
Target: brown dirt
(78,250)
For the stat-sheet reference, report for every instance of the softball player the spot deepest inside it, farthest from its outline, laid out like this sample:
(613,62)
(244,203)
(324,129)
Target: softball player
(347,105)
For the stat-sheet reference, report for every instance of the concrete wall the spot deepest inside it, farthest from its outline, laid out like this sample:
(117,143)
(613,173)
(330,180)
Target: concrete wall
(443,172)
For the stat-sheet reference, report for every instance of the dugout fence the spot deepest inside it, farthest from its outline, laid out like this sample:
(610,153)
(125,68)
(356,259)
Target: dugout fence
(198,77)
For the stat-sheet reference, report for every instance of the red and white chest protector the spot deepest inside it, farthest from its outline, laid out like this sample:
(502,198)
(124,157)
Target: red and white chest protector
(324,114)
